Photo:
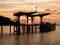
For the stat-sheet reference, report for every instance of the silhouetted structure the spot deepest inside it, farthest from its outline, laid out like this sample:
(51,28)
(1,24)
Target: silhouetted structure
(41,15)
(5,21)
(46,27)
(20,14)
(1,29)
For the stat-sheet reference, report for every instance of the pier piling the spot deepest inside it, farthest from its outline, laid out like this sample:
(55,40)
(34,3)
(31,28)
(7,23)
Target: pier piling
(1,29)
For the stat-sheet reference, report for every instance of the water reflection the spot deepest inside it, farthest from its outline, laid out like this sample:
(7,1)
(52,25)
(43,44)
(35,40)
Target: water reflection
(17,40)
(50,38)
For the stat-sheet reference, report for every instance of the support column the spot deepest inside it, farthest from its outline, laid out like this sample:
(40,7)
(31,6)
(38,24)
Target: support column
(41,19)
(10,29)
(23,26)
(27,25)
(13,29)
(18,28)
(35,28)
(1,29)
(41,26)
(32,24)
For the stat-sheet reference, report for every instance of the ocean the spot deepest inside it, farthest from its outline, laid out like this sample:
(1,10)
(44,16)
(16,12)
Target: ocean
(49,38)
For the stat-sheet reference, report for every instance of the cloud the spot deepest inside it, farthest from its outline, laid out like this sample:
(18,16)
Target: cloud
(29,3)
(52,4)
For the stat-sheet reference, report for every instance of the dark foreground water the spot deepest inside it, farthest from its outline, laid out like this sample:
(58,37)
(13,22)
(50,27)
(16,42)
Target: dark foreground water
(50,38)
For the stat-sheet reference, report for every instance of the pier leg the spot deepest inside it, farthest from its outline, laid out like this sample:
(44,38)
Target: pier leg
(14,28)
(27,26)
(1,30)
(32,28)
(41,19)
(35,29)
(18,27)
(10,29)
(18,30)
(23,29)
(28,29)
(32,24)
(41,24)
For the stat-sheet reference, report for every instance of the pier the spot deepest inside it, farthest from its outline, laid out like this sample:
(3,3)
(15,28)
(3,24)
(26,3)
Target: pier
(28,28)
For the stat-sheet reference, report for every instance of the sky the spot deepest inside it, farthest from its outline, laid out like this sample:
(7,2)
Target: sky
(28,4)
(8,7)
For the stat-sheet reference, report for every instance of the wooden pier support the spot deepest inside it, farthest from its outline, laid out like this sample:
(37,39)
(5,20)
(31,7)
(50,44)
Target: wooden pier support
(32,23)
(28,29)
(18,27)
(1,29)
(35,29)
(10,29)
(14,28)
(27,26)
(23,29)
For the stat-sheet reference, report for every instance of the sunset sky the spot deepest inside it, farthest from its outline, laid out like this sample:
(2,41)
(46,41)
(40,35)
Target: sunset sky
(8,7)
(21,4)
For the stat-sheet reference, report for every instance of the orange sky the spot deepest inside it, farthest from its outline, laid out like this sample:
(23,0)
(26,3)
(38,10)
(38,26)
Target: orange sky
(8,7)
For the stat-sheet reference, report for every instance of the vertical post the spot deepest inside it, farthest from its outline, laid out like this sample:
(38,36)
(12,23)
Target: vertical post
(10,29)
(28,28)
(27,25)
(41,23)
(23,29)
(41,19)
(14,28)
(32,24)
(1,29)
(18,28)
(35,28)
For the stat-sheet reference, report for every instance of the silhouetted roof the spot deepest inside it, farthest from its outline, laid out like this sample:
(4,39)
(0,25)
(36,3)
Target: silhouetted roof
(23,13)
(40,14)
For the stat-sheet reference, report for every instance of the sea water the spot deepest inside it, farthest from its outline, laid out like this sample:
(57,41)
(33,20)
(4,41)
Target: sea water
(49,38)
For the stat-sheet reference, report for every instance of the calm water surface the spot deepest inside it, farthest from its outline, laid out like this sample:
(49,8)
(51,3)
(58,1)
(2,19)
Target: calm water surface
(50,38)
